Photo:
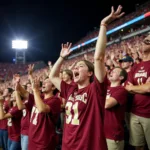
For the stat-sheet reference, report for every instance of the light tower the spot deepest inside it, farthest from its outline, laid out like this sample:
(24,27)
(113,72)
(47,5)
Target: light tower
(20,47)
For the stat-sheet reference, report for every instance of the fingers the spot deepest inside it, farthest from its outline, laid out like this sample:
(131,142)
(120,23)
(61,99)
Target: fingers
(118,10)
(69,46)
(112,10)
(119,16)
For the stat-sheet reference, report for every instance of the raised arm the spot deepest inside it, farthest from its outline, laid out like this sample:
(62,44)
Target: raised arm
(41,106)
(16,81)
(54,74)
(3,115)
(19,102)
(101,44)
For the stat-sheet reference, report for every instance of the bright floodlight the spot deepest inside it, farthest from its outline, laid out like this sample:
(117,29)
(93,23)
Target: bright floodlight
(19,44)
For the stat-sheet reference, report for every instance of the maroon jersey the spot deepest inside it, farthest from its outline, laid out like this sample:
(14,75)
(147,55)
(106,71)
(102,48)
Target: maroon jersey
(42,127)
(25,121)
(138,76)
(14,124)
(83,129)
(3,123)
(114,117)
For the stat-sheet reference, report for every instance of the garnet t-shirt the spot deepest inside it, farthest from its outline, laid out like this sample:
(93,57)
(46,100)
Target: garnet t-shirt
(42,127)
(3,123)
(114,117)
(84,129)
(138,76)
(14,124)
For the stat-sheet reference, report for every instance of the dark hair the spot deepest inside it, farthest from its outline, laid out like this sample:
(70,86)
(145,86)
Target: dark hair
(108,67)
(10,90)
(123,73)
(69,73)
(90,68)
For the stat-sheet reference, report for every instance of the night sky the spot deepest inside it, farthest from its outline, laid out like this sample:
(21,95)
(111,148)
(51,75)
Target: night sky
(47,24)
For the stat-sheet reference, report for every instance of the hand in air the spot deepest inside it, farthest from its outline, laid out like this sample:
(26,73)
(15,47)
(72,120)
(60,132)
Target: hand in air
(65,50)
(113,15)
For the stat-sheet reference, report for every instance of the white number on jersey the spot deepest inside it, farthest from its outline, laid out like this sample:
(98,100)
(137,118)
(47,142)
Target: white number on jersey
(69,118)
(140,81)
(24,112)
(9,122)
(36,112)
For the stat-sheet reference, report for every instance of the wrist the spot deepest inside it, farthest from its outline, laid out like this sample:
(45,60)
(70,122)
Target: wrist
(103,24)
(62,57)
(35,90)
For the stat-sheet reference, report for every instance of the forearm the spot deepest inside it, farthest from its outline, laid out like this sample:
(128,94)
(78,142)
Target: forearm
(54,75)
(1,112)
(101,43)
(56,68)
(23,92)
(140,89)
(19,102)
(39,102)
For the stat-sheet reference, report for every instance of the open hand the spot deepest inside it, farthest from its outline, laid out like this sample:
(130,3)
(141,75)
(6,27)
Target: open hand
(113,15)
(65,50)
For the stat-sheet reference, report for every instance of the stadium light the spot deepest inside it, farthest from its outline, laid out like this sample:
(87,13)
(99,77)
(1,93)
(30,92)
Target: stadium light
(20,47)
(19,44)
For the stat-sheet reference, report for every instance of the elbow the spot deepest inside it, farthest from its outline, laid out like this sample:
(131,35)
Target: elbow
(107,106)
(1,118)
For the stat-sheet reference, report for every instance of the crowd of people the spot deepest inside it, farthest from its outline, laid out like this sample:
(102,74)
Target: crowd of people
(92,101)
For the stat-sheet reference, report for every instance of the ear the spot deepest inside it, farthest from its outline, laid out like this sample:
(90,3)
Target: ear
(121,78)
(53,87)
(131,63)
(90,74)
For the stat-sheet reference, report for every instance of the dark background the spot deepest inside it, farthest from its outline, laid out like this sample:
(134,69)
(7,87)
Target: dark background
(47,24)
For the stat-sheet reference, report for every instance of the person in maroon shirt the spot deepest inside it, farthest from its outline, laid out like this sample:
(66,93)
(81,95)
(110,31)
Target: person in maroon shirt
(115,110)
(67,76)
(140,111)
(25,120)
(85,100)
(45,113)
(3,123)
(14,119)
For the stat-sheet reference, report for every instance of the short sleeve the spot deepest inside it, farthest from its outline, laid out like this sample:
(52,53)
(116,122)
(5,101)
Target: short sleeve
(15,112)
(120,96)
(101,87)
(65,89)
(55,105)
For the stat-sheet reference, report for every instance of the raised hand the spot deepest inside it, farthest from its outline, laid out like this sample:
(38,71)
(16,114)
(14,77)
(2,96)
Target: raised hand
(16,79)
(113,15)
(17,86)
(35,84)
(112,55)
(30,69)
(49,63)
(65,50)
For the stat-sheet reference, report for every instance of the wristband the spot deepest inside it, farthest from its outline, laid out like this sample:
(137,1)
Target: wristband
(104,24)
